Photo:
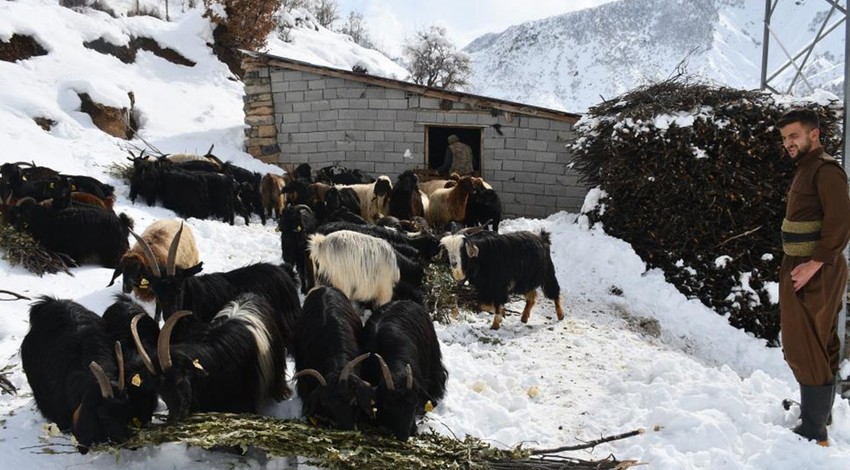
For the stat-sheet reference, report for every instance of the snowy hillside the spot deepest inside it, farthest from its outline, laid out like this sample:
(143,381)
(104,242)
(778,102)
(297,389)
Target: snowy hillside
(573,61)
(631,353)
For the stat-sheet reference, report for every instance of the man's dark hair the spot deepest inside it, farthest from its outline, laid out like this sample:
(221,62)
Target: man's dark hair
(806,117)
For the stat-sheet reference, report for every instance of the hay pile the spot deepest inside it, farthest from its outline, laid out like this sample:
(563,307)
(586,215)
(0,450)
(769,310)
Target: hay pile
(695,179)
(335,449)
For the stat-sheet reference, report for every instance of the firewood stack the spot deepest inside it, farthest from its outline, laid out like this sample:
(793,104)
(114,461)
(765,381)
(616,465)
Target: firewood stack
(695,179)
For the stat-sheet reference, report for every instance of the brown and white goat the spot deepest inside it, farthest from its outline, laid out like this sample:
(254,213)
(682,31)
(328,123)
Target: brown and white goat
(374,197)
(152,250)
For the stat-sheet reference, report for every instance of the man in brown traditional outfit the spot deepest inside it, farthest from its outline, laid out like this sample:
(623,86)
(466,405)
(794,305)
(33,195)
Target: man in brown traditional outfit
(458,158)
(813,275)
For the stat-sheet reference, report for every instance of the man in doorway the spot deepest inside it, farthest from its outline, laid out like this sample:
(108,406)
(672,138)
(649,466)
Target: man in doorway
(458,158)
(813,274)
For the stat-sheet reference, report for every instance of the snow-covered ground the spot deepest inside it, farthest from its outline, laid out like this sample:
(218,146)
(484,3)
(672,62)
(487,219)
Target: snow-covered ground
(707,394)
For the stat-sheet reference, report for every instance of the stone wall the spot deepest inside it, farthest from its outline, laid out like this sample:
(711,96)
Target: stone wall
(302,117)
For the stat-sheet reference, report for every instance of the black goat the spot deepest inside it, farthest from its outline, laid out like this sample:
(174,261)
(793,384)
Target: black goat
(248,189)
(296,223)
(68,359)
(483,206)
(127,322)
(234,364)
(500,265)
(405,198)
(338,174)
(326,357)
(86,234)
(406,365)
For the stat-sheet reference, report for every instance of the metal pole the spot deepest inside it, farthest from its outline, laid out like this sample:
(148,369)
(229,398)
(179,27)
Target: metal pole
(765,44)
(842,314)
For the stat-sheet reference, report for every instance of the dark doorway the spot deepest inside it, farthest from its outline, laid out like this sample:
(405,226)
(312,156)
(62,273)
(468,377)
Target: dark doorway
(437,137)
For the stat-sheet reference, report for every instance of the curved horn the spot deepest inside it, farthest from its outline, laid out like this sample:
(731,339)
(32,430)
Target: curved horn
(305,206)
(172,252)
(134,329)
(385,370)
(163,344)
(346,371)
(146,249)
(119,358)
(409,371)
(312,373)
(102,379)
(30,164)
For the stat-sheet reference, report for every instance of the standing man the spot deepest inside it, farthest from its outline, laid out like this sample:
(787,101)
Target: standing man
(813,275)
(458,158)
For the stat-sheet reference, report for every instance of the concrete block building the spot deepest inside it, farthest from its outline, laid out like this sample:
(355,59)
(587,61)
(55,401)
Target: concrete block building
(302,113)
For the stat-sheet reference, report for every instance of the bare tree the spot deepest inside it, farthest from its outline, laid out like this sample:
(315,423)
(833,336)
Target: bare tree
(326,12)
(435,62)
(356,28)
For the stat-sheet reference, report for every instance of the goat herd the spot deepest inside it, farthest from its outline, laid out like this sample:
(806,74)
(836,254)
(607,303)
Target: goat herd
(354,241)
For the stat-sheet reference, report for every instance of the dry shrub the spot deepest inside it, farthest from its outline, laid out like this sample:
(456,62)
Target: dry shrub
(245,24)
(703,200)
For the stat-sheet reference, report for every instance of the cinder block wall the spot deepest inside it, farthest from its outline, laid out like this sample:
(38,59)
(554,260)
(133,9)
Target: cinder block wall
(301,117)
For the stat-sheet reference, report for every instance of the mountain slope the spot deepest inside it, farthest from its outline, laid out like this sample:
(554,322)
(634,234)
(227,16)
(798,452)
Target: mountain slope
(573,61)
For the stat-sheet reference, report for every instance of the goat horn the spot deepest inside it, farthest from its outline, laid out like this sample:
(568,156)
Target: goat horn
(163,345)
(134,329)
(385,370)
(119,358)
(346,371)
(172,252)
(146,249)
(409,371)
(23,163)
(305,206)
(102,379)
(312,373)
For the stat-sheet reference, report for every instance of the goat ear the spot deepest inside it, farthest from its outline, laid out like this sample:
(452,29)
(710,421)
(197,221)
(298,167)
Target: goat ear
(115,276)
(471,250)
(194,269)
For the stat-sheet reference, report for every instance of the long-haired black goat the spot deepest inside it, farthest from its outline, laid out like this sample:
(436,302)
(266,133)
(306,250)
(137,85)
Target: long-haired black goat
(234,364)
(86,234)
(69,361)
(128,323)
(326,354)
(500,265)
(406,201)
(406,365)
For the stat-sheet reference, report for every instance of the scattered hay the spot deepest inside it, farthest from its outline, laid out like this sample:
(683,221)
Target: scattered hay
(335,449)
(446,296)
(121,171)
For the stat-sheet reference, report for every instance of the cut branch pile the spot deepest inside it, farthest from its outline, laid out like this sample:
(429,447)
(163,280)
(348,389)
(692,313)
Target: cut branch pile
(445,296)
(335,449)
(693,174)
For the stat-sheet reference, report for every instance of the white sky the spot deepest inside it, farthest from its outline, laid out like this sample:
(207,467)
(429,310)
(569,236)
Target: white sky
(390,21)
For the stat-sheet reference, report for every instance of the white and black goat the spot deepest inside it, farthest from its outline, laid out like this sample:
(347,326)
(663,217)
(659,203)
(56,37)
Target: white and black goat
(500,265)
(69,361)
(406,365)
(327,358)
(373,197)
(236,363)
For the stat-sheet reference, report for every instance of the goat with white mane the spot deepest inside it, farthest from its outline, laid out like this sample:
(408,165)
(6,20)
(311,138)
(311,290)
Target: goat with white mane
(363,267)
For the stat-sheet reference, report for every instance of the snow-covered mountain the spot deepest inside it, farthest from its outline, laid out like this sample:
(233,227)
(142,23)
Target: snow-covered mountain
(574,60)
